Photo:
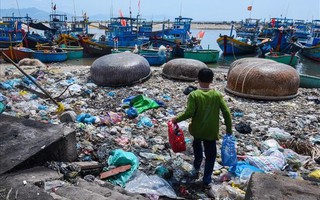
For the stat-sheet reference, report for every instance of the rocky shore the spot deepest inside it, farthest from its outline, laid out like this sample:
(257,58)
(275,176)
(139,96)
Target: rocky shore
(296,121)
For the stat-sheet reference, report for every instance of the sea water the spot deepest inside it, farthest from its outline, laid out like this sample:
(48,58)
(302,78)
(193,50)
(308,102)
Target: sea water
(209,41)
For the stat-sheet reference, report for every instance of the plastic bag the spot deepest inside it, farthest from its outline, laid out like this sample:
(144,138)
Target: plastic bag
(315,174)
(278,134)
(118,158)
(176,138)
(143,184)
(270,161)
(228,151)
(241,166)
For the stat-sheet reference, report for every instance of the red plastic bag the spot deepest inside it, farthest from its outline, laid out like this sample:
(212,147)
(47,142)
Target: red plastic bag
(176,138)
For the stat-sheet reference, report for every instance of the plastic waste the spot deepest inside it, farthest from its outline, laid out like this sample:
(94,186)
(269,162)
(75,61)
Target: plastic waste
(2,107)
(278,134)
(228,151)
(269,161)
(241,166)
(143,184)
(176,138)
(163,172)
(294,159)
(132,112)
(144,122)
(111,94)
(86,118)
(315,174)
(142,103)
(42,107)
(118,158)
(243,128)
(268,144)
(189,89)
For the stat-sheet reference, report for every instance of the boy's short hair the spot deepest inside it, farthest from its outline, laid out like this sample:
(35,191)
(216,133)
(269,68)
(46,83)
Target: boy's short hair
(205,75)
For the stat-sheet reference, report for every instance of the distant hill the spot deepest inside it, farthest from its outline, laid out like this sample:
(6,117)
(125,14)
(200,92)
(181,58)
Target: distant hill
(34,13)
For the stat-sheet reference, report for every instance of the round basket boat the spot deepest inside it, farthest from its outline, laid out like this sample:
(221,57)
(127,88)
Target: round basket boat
(183,69)
(120,69)
(262,79)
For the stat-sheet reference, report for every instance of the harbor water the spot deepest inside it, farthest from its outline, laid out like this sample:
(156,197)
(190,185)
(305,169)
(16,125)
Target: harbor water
(209,41)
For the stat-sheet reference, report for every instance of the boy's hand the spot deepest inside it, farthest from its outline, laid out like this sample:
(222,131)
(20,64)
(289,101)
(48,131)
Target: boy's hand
(174,120)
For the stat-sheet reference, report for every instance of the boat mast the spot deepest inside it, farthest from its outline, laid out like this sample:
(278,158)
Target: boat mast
(74,10)
(18,8)
(180,8)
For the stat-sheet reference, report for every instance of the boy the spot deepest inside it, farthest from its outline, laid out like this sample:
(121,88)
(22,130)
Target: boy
(203,108)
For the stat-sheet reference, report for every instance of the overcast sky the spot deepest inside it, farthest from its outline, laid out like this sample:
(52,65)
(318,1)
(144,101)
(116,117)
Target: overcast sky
(208,10)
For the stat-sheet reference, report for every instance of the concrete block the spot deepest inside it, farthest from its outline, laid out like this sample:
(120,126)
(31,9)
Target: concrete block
(271,187)
(26,143)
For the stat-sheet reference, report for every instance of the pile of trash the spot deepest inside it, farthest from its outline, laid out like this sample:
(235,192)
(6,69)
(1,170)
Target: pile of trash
(124,130)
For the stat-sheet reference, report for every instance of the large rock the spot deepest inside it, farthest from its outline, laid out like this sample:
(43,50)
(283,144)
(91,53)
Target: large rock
(264,79)
(183,69)
(26,143)
(266,186)
(120,69)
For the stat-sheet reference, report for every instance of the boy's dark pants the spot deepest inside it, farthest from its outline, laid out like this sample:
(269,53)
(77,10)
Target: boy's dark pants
(210,151)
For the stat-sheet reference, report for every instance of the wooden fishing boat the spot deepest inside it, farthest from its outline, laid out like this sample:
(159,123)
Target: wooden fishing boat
(312,52)
(289,59)
(206,56)
(73,52)
(11,32)
(245,41)
(93,48)
(312,47)
(307,81)
(50,56)
(154,58)
(17,53)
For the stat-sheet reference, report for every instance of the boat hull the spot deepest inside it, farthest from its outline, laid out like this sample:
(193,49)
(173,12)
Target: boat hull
(206,56)
(307,81)
(73,52)
(231,46)
(312,52)
(154,59)
(283,58)
(95,49)
(50,57)
(17,53)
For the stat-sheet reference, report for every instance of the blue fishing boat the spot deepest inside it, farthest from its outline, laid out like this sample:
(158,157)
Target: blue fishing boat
(122,33)
(302,31)
(50,56)
(11,32)
(179,32)
(154,58)
(312,47)
(275,23)
(282,41)
(245,41)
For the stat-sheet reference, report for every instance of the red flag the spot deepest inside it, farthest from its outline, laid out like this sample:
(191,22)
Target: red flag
(200,34)
(273,22)
(54,7)
(123,21)
(249,8)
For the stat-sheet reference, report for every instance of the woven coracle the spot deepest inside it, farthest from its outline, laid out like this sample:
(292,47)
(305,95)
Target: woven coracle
(120,69)
(263,79)
(183,69)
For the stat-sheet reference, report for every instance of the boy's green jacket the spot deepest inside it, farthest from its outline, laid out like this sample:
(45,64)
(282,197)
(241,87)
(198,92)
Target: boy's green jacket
(204,108)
